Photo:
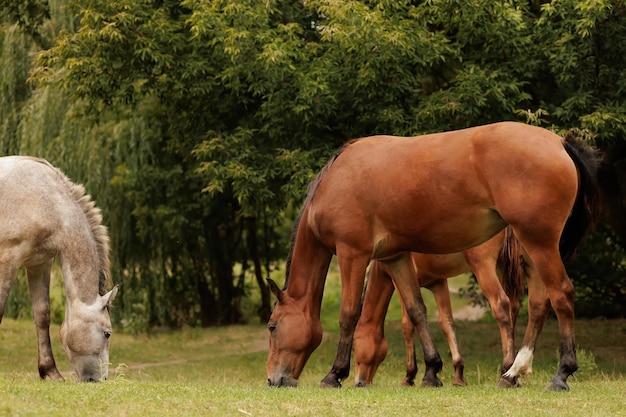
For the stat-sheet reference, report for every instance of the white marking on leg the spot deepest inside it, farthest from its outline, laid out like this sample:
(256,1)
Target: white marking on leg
(523,363)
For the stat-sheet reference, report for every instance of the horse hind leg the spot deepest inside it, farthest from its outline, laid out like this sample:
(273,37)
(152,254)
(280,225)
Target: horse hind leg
(538,309)
(441,291)
(404,278)
(547,263)
(561,293)
(39,288)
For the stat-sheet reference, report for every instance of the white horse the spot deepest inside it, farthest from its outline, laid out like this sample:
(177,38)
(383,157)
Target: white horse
(44,216)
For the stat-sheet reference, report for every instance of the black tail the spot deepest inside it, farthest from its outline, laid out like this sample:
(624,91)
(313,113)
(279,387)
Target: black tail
(586,208)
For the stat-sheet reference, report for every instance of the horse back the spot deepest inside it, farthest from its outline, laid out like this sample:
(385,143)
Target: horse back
(34,208)
(438,193)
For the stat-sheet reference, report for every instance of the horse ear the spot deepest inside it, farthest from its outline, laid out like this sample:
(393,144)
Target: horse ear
(274,288)
(107,299)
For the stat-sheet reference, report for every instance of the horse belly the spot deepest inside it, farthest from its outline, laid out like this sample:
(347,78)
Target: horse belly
(445,235)
(26,247)
(440,266)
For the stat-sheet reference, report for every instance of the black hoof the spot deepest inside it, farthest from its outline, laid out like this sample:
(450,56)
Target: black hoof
(506,383)
(330,381)
(432,382)
(556,385)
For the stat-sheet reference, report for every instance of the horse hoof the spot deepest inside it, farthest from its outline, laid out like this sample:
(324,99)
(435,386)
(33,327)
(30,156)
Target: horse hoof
(408,383)
(556,385)
(435,383)
(459,383)
(52,375)
(505,383)
(330,382)
(361,384)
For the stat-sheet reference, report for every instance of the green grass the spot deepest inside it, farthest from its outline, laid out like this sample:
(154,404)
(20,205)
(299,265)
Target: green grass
(221,372)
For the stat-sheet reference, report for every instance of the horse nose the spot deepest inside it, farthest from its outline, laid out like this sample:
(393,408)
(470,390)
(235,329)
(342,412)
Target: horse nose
(278,383)
(283,381)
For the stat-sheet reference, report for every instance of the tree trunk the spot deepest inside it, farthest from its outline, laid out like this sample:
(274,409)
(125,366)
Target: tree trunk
(264,310)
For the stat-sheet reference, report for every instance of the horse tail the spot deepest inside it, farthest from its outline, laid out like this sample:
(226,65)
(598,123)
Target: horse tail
(513,266)
(586,210)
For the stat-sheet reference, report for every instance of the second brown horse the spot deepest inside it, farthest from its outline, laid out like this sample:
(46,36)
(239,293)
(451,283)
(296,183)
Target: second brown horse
(499,269)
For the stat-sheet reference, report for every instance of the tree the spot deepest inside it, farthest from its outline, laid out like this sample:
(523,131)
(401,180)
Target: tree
(197,125)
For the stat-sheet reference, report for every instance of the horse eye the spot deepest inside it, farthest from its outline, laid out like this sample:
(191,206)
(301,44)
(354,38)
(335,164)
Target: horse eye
(107,334)
(271,326)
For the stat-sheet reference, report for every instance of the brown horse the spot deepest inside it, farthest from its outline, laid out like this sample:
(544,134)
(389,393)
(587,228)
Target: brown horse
(500,258)
(383,197)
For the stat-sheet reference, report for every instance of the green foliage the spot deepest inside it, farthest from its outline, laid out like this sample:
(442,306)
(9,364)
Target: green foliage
(14,67)
(586,362)
(197,125)
(18,304)
(598,275)
(583,76)
(28,14)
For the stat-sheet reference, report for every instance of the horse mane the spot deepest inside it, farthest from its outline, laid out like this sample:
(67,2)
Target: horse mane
(309,195)
(99,231)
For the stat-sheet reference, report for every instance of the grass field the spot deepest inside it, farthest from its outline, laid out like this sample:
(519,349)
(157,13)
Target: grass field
(221,372)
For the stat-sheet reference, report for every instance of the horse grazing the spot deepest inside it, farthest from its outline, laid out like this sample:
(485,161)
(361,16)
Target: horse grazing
(43,215)
(500,258)
(383,197)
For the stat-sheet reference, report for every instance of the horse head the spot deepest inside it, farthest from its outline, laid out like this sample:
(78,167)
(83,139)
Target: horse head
(369,352)
(294,335)
(85,337)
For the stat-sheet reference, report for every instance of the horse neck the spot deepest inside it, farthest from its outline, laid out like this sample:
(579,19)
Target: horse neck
(309,266)
(80,268)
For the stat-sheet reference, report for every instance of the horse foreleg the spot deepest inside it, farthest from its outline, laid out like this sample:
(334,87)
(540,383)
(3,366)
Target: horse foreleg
(370,346)
(441,291)
(538,309)
(408,287)
(352,271)
(408,332)
(39,288)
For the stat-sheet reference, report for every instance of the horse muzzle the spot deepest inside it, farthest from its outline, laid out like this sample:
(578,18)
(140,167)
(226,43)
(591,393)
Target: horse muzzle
(283,381)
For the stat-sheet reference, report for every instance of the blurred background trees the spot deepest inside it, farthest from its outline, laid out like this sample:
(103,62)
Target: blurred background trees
(196,125)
